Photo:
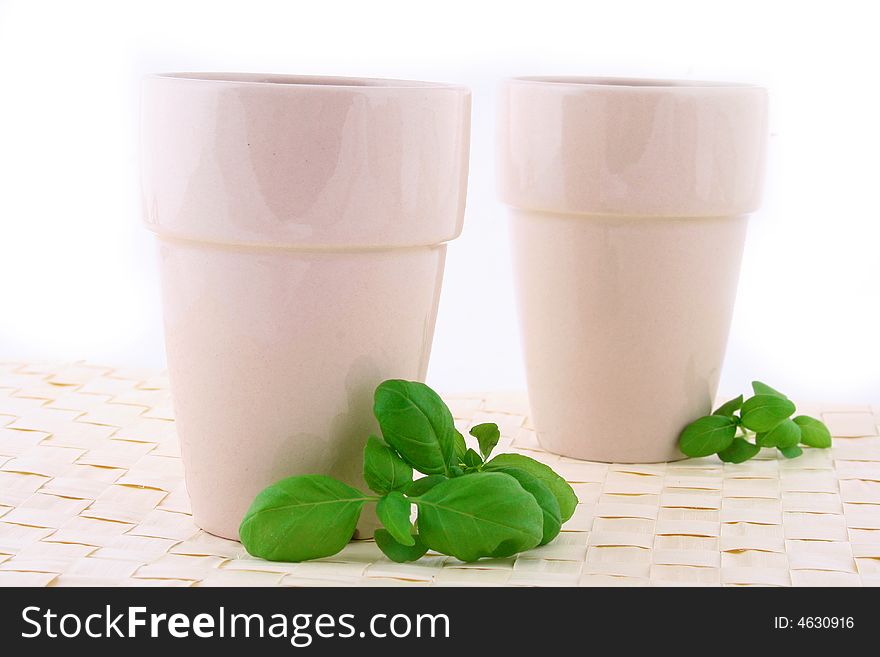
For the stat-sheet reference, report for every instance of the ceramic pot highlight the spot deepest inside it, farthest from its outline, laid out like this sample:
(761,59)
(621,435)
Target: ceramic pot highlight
(302,226)
(629,203)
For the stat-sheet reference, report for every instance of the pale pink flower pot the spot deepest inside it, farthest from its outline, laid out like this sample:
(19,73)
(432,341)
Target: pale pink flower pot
(302,225)
(629,202)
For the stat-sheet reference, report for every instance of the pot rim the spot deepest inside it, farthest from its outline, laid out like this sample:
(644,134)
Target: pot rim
(613,83)
(311,82)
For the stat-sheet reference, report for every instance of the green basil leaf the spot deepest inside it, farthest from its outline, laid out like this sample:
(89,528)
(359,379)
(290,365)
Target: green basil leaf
(487,435)
(740,450)
(761,439)
(813,432)
(417,423)
(301,518)
(763,412)
(398,552)
(472,459)
(384,470)
(764,389)
(423,485)
(459,446)
(560,488)
(783,435)
(394,511)
(707,435)
(730,407)
(791,452)
(486,514)
(545,499)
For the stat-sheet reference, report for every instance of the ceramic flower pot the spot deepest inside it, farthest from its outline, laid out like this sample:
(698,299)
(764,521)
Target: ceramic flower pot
(629,202)
(302,225)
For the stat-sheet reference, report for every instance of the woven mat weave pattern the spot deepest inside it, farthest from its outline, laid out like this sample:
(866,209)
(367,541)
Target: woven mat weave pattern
(92,493)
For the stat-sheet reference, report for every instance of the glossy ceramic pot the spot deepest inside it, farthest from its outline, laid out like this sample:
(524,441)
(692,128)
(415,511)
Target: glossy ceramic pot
(629,202)
(302,225)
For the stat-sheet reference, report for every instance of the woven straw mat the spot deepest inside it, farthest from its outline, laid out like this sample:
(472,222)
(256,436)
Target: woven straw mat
(92,493)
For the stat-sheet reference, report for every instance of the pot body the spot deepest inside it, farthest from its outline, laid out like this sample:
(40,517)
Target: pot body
(302,226)
(273,357)
(624,323)
(629,205)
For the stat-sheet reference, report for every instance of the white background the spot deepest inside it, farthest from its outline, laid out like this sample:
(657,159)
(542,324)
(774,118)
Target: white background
(77,278)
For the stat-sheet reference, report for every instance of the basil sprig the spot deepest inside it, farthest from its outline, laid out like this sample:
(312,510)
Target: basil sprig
(766,416)
(468,505)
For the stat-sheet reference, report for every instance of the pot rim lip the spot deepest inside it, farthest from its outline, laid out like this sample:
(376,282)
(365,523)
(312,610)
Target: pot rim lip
(630,84)
(311,82)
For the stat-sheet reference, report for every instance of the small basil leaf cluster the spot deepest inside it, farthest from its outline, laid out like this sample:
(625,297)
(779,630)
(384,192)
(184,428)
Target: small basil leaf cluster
(766,416)
(468,505)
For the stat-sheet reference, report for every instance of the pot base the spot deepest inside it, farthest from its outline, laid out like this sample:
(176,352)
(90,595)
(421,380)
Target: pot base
(587,455)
